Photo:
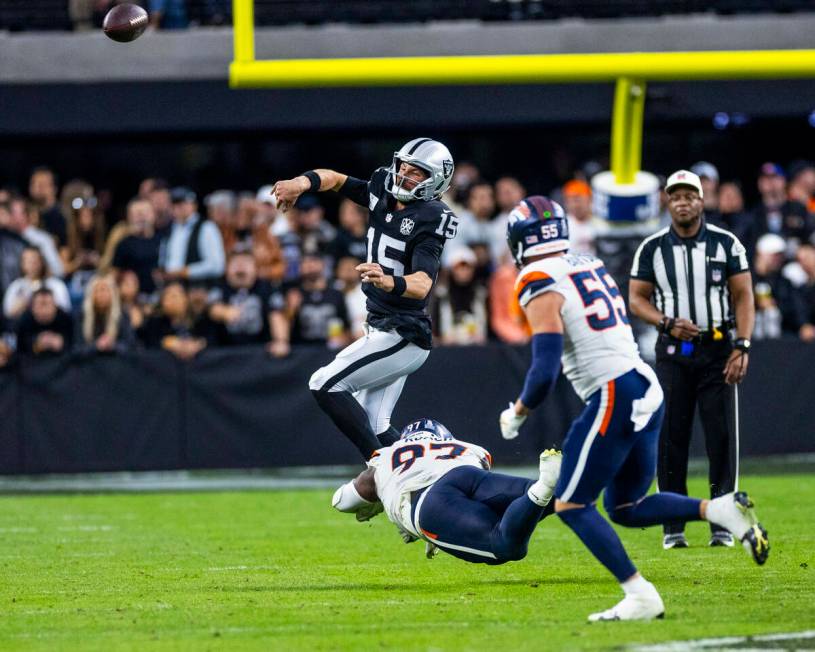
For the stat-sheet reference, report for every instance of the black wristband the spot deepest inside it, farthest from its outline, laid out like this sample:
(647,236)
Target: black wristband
(314,180)
(666,325)
(399,285)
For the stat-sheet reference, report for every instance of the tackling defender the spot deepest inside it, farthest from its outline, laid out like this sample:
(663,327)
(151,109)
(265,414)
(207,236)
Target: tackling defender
(407,229)
(577,314)
(439,489)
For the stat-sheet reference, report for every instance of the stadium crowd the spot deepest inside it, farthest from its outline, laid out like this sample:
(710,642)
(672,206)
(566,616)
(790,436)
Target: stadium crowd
(232,270)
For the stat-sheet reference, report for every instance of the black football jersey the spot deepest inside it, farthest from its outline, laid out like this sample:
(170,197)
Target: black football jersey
(402,242)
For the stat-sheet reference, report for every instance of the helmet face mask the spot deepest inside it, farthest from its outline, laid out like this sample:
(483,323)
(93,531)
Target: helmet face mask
(424,428)
(428,155)
(537,226)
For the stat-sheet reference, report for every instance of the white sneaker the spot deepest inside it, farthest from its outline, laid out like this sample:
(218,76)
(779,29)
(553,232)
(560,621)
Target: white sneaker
(734,512)
(541,492)
(640,606)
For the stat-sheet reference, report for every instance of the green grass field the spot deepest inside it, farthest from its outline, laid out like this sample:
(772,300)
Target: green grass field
(283,571)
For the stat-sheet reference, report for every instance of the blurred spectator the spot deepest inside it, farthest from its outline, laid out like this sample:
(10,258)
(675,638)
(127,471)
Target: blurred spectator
(44,328)
(778,305)
(709,176)
(42,189)
(221,206)
(318,312)
(138,251)
(316,234)
(21,217)
(801,274)
(246,234)
(577,204)
(351,237)
(476,229)
(464,176)
(802,184)
(249,308)
(11,249)
(102,325)
(157,192)
(461,302)
(130,299)
(507,319)
(172,327)
(35,276)
(86,236)
(508,194)
(194,249)
(348,282)
(203,325)
(87,14)
(776,213)
(168,14)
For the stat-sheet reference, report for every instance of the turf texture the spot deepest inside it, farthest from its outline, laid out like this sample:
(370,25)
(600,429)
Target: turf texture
(283,571)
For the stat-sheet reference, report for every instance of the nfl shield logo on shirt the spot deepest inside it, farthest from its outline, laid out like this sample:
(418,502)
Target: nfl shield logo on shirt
(388,217)
(716,275)
(406,227)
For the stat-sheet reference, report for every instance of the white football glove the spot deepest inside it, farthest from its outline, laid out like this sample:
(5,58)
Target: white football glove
(510,422)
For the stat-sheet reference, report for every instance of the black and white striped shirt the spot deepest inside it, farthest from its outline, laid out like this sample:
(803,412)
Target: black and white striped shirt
(690,274)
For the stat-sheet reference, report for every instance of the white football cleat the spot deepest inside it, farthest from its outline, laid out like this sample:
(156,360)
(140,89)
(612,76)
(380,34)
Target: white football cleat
(734,512)
(541,492)
(549,466)
(646,605)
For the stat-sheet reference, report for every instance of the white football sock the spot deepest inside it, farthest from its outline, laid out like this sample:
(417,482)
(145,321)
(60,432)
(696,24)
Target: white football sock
(540,494)
(637,586)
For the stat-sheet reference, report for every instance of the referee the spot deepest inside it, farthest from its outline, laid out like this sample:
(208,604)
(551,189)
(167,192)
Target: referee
(698,277)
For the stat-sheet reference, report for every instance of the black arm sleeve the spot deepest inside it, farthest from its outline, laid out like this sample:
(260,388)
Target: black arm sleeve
(427,256)
(356,190)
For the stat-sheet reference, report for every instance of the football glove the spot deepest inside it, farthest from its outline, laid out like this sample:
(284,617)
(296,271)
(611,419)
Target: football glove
(510,422)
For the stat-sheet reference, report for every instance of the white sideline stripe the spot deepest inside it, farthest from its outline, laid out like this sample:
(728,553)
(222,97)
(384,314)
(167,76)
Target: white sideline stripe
(300,477)
(584,452)
(702,643)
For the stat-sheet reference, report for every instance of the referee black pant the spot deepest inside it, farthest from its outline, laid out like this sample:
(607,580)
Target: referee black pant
(692,378)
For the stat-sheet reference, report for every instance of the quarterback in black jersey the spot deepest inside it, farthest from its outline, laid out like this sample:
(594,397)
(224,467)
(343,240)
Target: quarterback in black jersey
(407,228)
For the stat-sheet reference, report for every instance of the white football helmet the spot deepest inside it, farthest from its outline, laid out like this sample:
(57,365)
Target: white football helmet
(432,157)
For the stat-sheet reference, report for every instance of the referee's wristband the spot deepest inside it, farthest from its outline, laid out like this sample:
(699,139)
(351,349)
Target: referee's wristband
(666,325)
(399,285)
(314,180)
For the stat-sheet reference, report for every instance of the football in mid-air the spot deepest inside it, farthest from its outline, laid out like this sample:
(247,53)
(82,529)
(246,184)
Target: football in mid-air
(125,22)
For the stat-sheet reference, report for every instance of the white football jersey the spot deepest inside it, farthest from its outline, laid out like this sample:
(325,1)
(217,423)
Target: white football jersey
(416,462)
(598,344)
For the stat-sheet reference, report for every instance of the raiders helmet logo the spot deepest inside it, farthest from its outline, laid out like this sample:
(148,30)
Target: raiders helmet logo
(447,167)
(406,227)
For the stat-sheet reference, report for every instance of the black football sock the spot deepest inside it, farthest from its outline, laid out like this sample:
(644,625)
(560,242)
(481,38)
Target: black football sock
(348,415)
(388,437)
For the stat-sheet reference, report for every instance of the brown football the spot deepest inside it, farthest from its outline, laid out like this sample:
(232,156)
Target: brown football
(125,22)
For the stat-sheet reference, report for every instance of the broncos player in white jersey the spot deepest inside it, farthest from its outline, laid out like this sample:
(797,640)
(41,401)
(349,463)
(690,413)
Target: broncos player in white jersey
(578,318)
(439,489)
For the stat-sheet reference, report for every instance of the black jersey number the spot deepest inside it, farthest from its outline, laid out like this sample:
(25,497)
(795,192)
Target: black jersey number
(448,225)
(378,251)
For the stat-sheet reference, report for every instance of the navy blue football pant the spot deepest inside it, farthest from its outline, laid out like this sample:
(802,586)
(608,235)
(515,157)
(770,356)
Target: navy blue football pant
(604,450)
(479,516)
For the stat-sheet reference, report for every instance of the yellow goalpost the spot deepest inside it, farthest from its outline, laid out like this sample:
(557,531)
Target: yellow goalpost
(629,70)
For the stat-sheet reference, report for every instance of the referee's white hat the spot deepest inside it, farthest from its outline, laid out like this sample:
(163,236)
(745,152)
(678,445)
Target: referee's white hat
(684,178)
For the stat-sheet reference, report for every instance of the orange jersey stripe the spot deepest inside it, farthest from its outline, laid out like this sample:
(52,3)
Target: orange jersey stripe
(430,534)
(528,278)
(609,410)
